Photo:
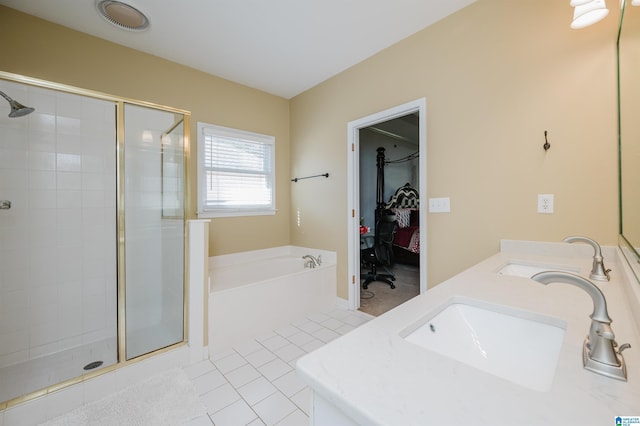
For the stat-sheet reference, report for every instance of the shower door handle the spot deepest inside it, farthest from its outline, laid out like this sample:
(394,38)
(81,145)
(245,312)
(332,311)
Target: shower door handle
(5,204)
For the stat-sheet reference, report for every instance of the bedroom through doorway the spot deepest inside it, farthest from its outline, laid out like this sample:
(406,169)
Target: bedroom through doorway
(387,258)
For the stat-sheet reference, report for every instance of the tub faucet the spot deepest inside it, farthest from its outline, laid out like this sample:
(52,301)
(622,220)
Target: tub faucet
(599,353)
(598,271)
(312,261)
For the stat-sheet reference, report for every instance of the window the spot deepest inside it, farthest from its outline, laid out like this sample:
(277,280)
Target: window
(236,172)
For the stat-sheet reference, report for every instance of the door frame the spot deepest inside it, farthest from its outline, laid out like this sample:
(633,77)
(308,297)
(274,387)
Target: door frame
(353,190)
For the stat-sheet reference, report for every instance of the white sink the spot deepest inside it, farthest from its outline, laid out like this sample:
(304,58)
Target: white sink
(518,346)
(523,269)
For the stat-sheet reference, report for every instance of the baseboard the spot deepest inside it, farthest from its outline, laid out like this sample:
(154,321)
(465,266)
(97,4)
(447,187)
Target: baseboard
(342,303)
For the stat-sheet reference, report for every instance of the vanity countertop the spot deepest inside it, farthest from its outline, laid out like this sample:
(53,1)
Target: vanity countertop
(374,376)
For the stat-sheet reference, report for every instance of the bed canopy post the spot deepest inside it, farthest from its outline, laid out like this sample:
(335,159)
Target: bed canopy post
(380,203)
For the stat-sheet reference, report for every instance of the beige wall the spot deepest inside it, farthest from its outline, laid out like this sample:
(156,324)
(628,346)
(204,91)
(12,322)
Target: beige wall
(495,75)
(42,50)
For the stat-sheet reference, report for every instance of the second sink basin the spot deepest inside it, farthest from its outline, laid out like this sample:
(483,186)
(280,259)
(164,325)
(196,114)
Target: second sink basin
(519,346)
(523,269)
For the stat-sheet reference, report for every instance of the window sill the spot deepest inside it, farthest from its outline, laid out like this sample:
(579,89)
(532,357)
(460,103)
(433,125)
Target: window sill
(235,213)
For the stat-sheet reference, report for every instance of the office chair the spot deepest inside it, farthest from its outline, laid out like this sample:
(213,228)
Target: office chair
(381,252)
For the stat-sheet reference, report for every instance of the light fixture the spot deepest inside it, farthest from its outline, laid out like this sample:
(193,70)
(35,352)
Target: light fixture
(122,15)
(635,2)
(588,13)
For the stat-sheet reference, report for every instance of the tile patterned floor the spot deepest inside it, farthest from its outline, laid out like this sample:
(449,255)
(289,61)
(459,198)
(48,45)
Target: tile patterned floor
(255,383)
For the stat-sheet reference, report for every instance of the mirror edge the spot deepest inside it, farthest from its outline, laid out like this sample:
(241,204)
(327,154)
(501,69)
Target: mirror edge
(630,255)
(629,252)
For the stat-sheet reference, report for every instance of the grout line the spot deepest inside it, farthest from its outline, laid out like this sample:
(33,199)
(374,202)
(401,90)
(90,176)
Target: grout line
(347,319)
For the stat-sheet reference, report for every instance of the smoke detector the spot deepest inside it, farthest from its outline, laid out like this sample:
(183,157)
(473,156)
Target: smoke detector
(122,15)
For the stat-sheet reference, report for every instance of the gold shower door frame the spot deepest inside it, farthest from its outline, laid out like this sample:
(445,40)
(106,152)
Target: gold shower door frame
(119,103)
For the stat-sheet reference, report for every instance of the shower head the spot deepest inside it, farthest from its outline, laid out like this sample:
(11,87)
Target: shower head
(17,109)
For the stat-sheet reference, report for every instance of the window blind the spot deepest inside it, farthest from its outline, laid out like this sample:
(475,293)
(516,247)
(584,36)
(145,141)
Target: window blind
(238,172)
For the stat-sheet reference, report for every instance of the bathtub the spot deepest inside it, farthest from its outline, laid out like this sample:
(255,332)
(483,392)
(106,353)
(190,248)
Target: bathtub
(253,293)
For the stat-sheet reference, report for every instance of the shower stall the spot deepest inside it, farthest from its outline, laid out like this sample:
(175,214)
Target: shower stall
(92,233)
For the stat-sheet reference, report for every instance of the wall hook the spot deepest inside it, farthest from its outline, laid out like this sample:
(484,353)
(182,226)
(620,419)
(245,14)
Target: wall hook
(546,145)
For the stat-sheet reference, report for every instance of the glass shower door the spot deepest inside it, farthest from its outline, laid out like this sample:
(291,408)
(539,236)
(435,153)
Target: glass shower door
(153,157)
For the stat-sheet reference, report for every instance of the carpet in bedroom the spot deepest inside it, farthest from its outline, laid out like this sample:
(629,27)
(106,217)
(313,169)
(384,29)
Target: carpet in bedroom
(380,297)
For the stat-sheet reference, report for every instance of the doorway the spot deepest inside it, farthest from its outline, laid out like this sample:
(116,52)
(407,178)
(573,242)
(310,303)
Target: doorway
(387,155)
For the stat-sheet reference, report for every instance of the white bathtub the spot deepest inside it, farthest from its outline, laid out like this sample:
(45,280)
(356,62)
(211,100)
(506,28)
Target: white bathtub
(255,292)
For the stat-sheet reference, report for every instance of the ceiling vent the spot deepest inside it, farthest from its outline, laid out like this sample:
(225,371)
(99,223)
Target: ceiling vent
(122,15)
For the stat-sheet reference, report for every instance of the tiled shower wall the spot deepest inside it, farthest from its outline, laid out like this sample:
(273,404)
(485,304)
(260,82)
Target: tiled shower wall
(58,239)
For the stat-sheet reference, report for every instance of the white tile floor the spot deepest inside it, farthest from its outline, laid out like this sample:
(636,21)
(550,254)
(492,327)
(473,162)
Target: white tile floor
(255,383)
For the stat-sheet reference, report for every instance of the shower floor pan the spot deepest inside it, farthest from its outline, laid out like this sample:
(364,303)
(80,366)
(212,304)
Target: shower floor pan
(40,373)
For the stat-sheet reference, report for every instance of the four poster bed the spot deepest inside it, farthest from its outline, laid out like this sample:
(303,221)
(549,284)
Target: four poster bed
(405,205)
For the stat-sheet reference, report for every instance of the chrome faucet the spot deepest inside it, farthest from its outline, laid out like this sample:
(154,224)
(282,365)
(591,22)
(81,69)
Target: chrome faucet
(598,271)
(312,261)
(599,353)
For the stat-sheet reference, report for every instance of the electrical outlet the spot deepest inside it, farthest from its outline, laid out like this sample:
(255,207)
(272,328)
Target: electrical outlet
(439,205)
(545,203)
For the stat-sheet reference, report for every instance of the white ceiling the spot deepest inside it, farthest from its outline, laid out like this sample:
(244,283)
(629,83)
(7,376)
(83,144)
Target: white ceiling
(283,47)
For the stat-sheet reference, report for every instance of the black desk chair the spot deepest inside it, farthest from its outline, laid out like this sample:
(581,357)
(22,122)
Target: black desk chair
(381,252)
